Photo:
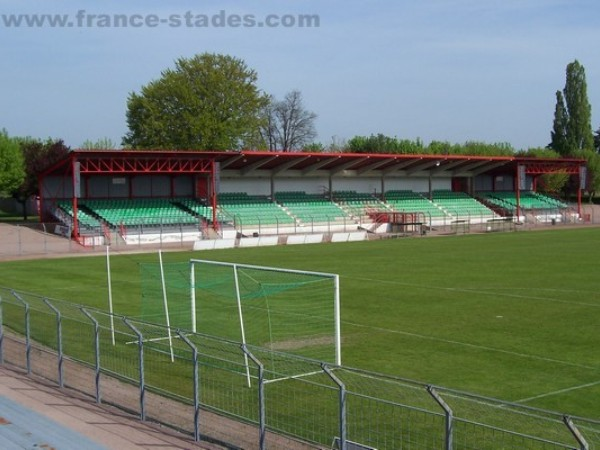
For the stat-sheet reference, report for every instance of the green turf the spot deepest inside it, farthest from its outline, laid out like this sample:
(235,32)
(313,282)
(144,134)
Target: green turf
(511,315)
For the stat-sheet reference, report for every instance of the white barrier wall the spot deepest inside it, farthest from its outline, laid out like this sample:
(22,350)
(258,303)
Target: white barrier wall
(304,239)
(293,239)
(211,244)
(349,237)
(313,239)
(157,238)
(268,240)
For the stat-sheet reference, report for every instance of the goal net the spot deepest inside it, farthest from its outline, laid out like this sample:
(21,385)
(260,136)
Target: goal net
(278,309)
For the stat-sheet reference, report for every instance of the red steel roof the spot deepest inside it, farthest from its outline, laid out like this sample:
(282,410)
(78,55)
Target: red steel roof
(245,163)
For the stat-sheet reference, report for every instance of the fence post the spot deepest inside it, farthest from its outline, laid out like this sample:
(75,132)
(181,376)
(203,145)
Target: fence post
(1,334)
(45,234)
(342,405)
(261,397)
(141,362)
(19,240)
(96,352)
(583,445)
(190,344)
(27,332)
(449,415)
(58,341)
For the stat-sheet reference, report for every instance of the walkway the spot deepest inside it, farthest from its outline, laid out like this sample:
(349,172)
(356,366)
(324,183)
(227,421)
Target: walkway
(35,414)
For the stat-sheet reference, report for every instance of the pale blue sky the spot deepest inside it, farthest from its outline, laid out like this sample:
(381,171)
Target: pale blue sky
(453,70)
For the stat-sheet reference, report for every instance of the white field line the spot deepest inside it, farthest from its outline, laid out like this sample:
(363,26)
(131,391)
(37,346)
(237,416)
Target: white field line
(479,347)
(560,391)
(486,292)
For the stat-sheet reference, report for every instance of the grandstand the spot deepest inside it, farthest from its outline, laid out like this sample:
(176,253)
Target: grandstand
(146,196)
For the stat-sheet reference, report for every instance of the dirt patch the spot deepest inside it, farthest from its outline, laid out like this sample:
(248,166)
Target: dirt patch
(295,344)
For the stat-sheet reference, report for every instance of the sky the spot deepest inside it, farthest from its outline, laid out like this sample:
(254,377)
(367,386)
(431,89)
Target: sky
(448,70)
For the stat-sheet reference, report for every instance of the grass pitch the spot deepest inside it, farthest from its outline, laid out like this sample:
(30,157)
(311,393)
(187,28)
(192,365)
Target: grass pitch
(513,315)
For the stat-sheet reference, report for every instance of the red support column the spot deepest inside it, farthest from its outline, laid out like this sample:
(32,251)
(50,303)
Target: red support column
(213,195)
(76,186)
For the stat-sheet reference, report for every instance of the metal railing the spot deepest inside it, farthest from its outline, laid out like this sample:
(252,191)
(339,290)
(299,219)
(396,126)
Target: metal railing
(271,225)
(198,384)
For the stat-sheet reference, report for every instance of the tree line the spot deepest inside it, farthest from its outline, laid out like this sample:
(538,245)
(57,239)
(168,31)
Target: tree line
(212,102)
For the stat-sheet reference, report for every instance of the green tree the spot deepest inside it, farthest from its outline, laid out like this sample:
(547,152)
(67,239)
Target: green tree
(442,148)
(12,169)
(597,141)
(551,183)
(484,149)
(207,102)
(593,173)
(380,143)
(313,147)
(572,128)
(100,144)
(38,156)
(558,134)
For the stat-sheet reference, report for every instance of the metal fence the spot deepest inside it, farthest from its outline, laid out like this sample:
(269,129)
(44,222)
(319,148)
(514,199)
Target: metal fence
(32,239)
(252,398)
(29,239)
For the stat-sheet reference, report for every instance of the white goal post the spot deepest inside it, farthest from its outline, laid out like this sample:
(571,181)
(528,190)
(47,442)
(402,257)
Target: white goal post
(286,310)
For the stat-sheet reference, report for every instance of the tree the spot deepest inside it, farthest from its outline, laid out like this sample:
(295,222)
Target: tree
(313,147)
(288,126)
(37,156)
(207,102)
(12,169)
(572,130)
(337,145)
(597,140)
(559,128)
(101,144)
(551,183)
(380,143)
(485,149)
(593,173)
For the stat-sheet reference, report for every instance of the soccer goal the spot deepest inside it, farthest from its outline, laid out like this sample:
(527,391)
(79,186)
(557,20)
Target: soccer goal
(291,311)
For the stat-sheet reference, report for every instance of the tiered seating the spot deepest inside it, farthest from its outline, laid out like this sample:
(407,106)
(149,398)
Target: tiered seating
(409,201)
(198,208)
(460,204)
(310,208)
(85,219)
(358,202)
(499,200)
(252,209)
(527,200)
(134,212)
